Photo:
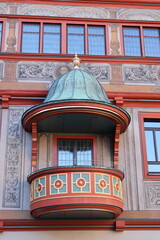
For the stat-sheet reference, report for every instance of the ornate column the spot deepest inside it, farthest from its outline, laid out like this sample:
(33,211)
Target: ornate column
(114,43)
(11,39)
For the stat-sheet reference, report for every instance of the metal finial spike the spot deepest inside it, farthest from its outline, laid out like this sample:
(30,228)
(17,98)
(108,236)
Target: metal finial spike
(76,61)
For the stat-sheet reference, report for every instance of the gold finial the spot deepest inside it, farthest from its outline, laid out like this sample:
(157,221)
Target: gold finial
(76,61)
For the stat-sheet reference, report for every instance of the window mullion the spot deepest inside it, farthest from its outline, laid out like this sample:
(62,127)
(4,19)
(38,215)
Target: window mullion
(63,38)
(86,39)
(75,153)
(41,38)
(155,145)
(142,41)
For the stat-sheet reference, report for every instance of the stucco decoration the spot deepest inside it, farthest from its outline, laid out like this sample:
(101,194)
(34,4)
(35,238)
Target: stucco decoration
(12,185)
(138,14)
(65,11)
(49,71)
(143,74)
(87,12)
(4,9)
(152,195)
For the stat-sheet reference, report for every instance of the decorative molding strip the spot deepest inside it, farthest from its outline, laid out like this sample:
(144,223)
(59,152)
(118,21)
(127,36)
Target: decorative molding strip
(54,225)
(12,185)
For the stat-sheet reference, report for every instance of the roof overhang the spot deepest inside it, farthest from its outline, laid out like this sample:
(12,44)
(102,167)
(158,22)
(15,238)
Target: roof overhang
(76,116)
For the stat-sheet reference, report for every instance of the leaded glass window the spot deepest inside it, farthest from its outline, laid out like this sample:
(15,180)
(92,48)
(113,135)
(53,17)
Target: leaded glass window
(132,45)
(75,41)
(51,38)
(152,41)
(75,152)
(96,40)
(30,37)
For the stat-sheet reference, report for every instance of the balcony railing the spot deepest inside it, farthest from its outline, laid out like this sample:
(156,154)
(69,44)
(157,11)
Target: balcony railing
(76,192)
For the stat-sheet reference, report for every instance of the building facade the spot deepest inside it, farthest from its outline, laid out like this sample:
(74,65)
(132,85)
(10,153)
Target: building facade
(79,141)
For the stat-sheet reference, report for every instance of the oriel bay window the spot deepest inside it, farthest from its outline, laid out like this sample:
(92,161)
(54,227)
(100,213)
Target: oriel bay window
(63,38)
(141,41)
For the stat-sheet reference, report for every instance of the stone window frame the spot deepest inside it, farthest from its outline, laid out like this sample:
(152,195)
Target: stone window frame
(140,26)
(142,117)
(2,46)
(63,40)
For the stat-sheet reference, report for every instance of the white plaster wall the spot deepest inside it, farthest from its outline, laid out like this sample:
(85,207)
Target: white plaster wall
(135,189)
(78,235)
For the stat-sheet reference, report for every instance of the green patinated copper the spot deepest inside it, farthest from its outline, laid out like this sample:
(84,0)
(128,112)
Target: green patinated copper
(76,85)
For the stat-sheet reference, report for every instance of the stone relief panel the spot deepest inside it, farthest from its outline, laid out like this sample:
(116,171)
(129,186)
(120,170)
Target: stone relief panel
(138,14)
(142,74)
(12,185)
(152,195)
(63,11)
(49,71)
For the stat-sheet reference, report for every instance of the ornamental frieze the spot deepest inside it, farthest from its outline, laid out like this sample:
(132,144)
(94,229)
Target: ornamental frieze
(12,186)
(138,14)
(49,71)
(143,74)
(63,11)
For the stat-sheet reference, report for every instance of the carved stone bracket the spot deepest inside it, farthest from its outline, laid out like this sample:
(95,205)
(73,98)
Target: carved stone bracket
(1,225)
(119,225)
(119,101)
(5,101)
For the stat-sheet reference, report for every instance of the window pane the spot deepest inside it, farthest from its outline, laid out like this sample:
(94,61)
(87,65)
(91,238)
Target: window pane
(30,38)
(132,46)
(154,168)
(152,124)
(157,133)
(152,41)
(65,152)
(150,146)
(51,38)
(96,40)
(84,152)
(75,39)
